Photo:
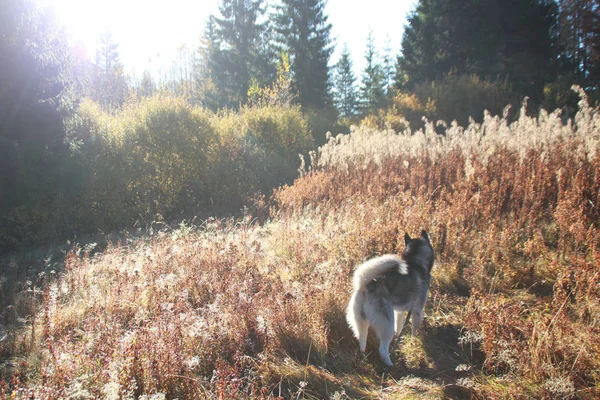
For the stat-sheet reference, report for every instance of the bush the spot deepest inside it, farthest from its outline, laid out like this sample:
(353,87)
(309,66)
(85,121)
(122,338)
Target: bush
(406,110)
(466,96)
(558,95)
(160,160)
(259,151)
(452,98)
(150,160)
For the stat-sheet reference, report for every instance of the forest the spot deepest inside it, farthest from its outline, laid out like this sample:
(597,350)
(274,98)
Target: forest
(193,233)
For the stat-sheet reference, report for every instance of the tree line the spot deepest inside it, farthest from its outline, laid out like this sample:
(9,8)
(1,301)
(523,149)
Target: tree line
(534,48)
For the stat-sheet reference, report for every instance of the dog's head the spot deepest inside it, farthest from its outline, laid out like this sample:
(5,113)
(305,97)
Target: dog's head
(418,251)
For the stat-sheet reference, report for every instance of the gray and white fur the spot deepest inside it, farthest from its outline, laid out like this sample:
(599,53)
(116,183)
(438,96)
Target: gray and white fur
(385,287)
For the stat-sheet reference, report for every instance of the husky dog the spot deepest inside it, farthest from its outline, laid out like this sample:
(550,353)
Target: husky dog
(387,286)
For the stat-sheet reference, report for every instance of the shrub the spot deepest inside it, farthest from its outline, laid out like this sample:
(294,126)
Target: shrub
(460,97)
(456,97)
(161,159)
(151,159)
(259,151)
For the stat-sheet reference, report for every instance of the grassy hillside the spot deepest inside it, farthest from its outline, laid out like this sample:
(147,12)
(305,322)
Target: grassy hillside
(236,309)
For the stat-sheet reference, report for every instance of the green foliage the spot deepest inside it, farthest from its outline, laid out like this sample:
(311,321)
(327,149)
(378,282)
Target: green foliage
(160,160)
(147,86)
(211,76)
(280,93)
(35,102)
(320,122)
(462,97)
(239,51)
(453,98)
(558,95)
(492,39)
(345,93)
(372,89)
(579,39)
(153,161)
(305,34)
(259,151)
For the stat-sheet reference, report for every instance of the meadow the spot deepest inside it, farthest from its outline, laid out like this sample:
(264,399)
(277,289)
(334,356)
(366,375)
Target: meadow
(254,307)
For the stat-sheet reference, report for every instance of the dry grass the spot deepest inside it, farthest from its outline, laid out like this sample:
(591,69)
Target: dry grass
(240,310)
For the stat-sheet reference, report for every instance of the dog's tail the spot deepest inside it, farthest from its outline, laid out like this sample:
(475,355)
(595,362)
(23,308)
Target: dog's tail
(377,267)
(355,314)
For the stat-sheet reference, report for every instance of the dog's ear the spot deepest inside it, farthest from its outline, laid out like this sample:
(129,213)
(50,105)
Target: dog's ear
(407,239)
(425,236)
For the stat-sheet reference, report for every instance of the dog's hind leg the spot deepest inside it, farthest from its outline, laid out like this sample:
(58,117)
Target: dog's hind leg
(355,315)
(362,327)
(383,325)
(385,339)
(400,323)
(417,317)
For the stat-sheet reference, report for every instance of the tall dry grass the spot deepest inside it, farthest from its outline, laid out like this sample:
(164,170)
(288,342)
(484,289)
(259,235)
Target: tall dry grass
(239,310)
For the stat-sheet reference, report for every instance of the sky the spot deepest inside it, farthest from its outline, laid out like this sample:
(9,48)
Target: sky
(150,32)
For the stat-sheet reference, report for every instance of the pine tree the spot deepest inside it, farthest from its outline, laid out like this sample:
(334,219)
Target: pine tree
(147,87)
(579,36)
(494,39)
(241,57)
(109,84)
(372,90)
(210,77)
(35,102)
(304,33)
(345,93)
(388,66)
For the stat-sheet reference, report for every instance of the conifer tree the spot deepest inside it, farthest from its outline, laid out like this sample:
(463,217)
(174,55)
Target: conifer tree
(494,39)
(35,101)
(304,33)
(109,83)
(579,37)
(210,77)
(345,92)
(372,90)
(240,51)
(388,66)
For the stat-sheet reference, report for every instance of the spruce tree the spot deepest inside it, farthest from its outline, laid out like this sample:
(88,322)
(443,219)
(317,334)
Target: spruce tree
(579,38)
(304,33)
(494,39)
(345,93)
(36,101)
(210,76)
(242,39)
(372,90)
(388,67)
(443,36)
(528,44)
(109,83)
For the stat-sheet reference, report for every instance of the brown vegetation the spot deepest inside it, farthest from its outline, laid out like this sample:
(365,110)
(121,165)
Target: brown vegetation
(235,310)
